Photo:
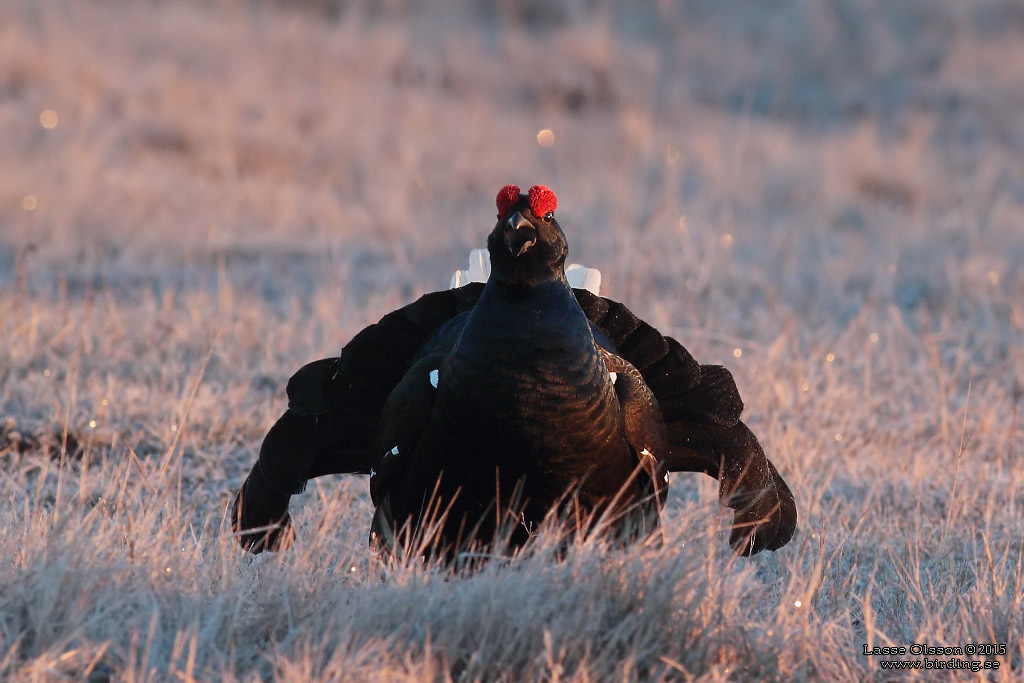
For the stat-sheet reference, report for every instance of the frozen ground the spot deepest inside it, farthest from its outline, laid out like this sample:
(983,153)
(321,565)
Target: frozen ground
(197,198)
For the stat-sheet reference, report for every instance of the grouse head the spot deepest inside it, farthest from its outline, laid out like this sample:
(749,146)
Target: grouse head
(527,246)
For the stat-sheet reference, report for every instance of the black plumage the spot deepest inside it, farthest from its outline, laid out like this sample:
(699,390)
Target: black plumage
(478,411)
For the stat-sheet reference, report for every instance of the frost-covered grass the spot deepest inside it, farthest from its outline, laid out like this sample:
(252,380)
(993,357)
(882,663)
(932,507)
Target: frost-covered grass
(826,197)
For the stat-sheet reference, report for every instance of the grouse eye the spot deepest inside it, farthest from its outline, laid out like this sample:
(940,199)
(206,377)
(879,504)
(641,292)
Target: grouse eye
(549,215)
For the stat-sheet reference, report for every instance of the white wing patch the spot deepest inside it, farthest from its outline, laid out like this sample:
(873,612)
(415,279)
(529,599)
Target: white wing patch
(646,453)
(433,378)
(479,269)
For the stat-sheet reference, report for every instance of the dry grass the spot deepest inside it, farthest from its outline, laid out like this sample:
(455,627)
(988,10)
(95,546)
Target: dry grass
(827,197)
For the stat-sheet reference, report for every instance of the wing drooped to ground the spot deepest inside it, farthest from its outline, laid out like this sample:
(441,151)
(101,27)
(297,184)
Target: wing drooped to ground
(334,407)
(701,407)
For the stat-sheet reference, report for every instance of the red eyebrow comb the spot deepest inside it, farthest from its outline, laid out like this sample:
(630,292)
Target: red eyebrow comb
(542,200)
(507,198)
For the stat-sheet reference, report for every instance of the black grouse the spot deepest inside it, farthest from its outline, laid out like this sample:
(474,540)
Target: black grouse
(480,410)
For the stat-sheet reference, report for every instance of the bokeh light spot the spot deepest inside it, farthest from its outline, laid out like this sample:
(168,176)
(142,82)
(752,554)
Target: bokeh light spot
(546,138)
(29,203)
(48,119)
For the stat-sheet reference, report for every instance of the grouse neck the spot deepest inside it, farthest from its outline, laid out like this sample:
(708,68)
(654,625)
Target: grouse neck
(522,315)
(531,347)
(526,372)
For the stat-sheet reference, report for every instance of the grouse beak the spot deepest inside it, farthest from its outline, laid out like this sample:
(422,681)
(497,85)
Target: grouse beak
(520,234)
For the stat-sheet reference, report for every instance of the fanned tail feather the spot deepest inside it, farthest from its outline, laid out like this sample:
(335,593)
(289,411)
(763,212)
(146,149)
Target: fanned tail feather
(714,399)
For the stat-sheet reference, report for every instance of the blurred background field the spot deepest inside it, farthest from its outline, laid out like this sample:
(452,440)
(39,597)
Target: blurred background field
(197,198)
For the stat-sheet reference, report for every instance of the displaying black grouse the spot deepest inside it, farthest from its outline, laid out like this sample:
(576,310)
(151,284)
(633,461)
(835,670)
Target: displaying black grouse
(480,410)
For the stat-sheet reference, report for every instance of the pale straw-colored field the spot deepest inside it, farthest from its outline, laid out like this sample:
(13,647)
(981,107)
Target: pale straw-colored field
(198,198)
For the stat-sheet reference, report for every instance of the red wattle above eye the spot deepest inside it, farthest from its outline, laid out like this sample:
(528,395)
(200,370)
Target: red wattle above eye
(542,200)
(507,198)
